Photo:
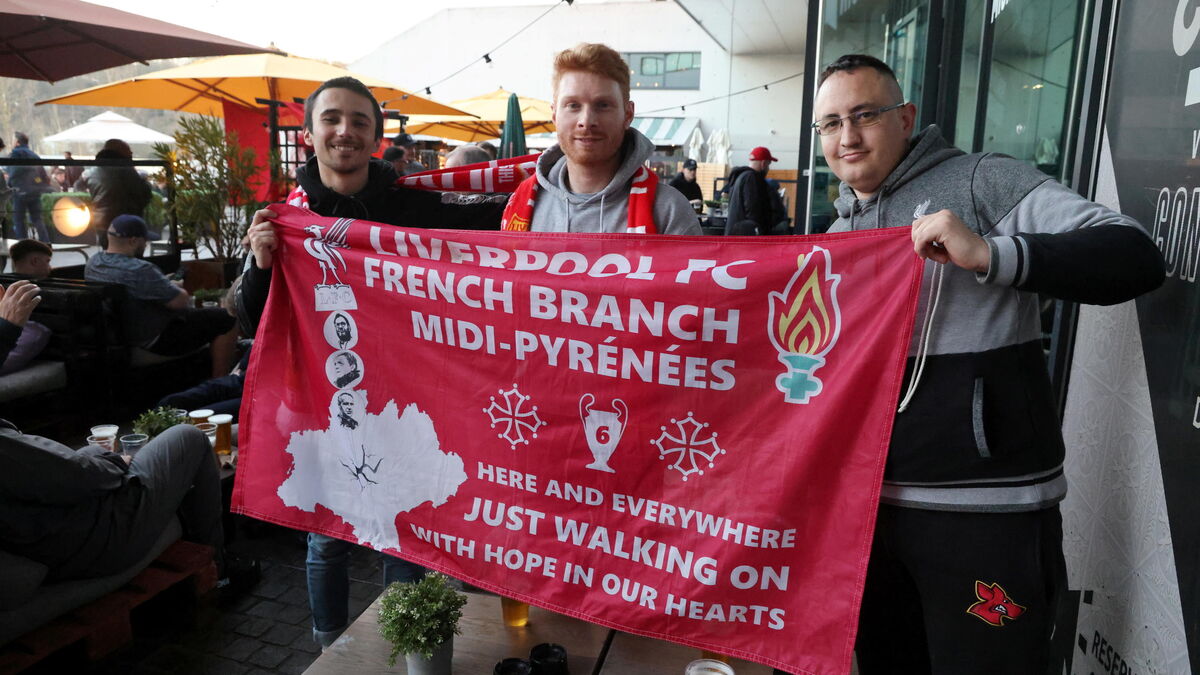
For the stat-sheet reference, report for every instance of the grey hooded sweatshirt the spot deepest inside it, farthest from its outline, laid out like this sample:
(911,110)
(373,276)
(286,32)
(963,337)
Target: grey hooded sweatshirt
(981,432)
(557,209)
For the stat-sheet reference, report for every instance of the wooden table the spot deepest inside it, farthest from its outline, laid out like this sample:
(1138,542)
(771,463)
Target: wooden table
(637,655)
(485,640)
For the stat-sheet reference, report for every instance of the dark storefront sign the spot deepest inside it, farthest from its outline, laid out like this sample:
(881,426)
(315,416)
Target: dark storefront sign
(1153,124)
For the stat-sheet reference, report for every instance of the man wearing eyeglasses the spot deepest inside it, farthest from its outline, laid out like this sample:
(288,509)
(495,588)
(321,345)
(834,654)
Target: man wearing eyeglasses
(966,568)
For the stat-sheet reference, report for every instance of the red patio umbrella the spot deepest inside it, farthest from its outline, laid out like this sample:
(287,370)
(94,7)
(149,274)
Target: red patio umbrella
(56,39)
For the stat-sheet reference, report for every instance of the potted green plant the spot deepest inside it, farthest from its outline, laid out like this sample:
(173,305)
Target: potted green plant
(216,181)
(420,619)
(157,420)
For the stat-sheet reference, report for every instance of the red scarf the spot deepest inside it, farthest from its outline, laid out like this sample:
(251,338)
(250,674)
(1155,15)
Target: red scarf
(518,214)
(498,175)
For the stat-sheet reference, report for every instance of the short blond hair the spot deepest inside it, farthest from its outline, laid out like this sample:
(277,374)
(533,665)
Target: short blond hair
(592,57)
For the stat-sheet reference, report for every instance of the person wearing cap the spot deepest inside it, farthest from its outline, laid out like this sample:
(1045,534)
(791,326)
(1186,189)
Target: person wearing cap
(754,208)
(685,182)
(408,144)
(158,315)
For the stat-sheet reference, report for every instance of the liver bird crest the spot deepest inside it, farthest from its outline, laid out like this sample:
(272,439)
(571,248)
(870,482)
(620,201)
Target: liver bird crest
(324,247)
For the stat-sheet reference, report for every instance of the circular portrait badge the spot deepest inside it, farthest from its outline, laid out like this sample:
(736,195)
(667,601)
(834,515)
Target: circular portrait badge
(340,330)
(344,369)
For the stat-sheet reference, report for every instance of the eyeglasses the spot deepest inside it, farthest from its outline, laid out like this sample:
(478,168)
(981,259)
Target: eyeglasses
(860,119)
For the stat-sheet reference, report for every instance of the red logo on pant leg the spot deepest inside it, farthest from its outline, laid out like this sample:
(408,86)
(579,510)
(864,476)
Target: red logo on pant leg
(994,605)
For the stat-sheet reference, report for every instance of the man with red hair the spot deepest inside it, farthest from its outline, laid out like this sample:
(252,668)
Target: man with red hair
(594,178)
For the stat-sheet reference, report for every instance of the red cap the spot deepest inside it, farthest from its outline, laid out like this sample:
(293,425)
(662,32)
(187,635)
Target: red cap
(762,153)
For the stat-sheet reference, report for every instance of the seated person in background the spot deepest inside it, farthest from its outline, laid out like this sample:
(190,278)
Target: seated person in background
(222,395)
(31,258)
(466,154)
(685,182)
(396,156)
(159,316)
(92,513)
(115,190)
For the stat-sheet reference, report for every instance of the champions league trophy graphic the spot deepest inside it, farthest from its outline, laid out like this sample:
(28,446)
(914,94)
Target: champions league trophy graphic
(804,324)
(603,429)
(324,247)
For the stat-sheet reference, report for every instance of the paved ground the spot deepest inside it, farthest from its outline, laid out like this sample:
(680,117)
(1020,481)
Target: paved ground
(267,630)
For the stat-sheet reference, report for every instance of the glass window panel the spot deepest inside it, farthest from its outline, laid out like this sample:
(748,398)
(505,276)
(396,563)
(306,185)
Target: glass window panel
(895,31)
(1028,93)
(968,81)
(651,65)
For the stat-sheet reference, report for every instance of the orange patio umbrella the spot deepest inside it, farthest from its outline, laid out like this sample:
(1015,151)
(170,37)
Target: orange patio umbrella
(201,87)
(489,111)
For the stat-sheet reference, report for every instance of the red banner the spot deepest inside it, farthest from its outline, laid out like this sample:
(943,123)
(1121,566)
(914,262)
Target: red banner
(681,437)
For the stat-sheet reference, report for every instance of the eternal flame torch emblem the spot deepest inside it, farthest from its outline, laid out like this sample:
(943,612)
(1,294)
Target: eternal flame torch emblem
(804,324)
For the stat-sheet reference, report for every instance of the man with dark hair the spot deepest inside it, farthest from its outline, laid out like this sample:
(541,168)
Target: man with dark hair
(341,327)
(73,173)
(28,184)
(31,258)
(344,124)
(966,569)
(398,156)
(158,315)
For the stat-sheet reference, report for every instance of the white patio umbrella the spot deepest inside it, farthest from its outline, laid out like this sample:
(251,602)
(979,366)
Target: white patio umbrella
(719,146)
(695,144)
(108,125)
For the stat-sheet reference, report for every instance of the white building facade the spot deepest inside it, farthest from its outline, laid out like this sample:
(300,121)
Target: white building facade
(664,41)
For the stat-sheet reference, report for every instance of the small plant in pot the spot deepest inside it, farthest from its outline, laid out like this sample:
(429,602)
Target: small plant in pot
(420,619)
(157,420)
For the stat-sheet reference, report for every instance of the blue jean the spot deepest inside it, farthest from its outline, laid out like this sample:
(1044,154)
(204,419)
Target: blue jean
(328,568)
(31,203)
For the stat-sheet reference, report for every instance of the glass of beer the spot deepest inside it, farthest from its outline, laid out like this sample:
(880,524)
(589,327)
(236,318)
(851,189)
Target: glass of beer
(105,442)
(224,442)
(209,430)
(199,416)
(515,612)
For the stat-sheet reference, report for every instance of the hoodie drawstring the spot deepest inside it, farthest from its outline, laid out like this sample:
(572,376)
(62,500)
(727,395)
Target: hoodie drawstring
(935,292)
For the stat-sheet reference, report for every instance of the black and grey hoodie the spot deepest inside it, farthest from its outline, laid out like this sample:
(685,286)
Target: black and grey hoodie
(981,433)
(558,209)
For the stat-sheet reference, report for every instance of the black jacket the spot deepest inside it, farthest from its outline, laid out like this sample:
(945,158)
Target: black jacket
(689,188)
(380,201)
(115,190)
(752,209)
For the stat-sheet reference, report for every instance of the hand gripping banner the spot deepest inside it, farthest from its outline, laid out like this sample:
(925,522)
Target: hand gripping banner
(681,437)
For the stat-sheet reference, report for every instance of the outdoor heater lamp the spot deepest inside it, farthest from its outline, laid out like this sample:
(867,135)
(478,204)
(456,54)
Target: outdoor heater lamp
(71,217)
